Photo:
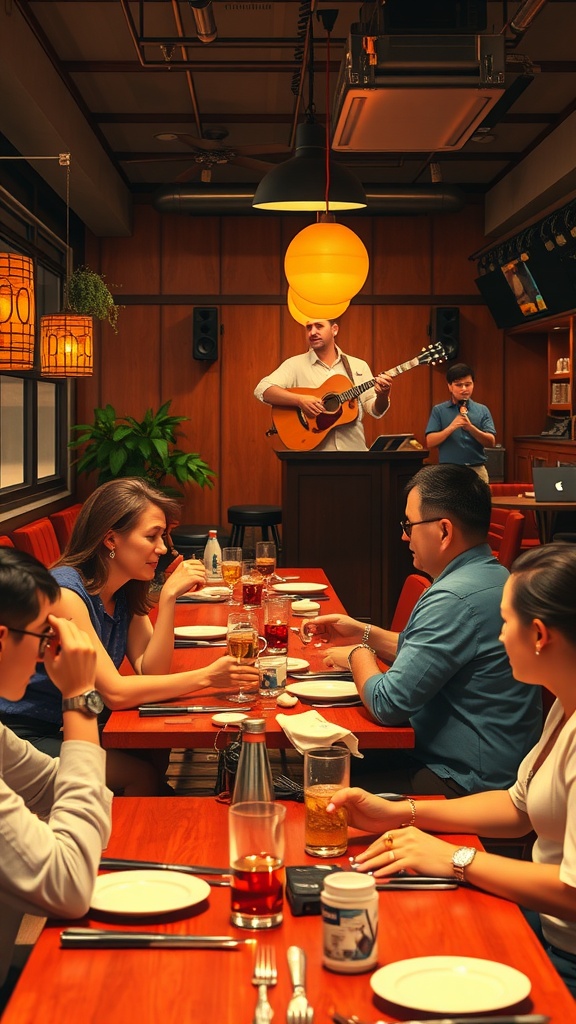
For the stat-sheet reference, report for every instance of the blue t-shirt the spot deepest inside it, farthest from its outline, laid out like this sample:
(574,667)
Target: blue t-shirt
(461,449)
(452,680)
(43,700)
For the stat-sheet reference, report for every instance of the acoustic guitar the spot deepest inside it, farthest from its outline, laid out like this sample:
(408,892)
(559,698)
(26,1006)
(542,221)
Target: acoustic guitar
(299,432)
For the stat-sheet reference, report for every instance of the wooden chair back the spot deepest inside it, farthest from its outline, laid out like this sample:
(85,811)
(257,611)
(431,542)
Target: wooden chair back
(38,539)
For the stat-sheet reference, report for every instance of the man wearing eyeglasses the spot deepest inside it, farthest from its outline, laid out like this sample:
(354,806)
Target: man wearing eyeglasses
(460,428)
(449,674)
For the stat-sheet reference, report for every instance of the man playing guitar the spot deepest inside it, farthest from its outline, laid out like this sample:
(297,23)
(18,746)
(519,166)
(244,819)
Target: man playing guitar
(310,371)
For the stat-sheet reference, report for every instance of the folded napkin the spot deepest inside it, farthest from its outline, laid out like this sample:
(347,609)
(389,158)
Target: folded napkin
(310,730)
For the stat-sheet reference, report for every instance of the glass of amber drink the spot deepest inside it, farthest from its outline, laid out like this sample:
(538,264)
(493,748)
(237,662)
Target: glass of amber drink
(326,770)
(244,644)
(266,558)
(256,835)
(231,569)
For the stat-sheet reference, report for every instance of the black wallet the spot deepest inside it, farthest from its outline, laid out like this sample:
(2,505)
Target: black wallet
(304,885)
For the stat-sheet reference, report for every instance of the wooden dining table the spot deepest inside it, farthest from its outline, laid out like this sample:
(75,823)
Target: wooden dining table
(129,730)
(172,986)
(544,511)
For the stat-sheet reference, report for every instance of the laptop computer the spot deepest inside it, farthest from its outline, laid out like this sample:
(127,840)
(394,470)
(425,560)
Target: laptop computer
(389,442)
(554,483)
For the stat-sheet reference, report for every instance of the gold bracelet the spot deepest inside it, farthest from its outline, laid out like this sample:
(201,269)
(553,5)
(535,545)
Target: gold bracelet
(406,824)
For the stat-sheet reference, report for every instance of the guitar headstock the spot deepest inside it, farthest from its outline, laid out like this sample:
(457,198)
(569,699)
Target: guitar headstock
(433,354)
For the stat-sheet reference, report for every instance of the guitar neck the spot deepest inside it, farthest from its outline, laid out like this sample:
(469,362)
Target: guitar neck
(359,389)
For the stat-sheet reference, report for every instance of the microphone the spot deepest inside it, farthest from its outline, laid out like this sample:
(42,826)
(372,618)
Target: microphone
(463,407)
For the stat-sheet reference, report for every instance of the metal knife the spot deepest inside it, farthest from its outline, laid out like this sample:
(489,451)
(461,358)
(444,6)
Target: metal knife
(126,864)
(93,938)
(150,710)
(200,643)
(327,675)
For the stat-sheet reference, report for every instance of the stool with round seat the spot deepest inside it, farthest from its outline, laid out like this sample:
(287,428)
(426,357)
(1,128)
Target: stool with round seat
(265,517)
(191,539)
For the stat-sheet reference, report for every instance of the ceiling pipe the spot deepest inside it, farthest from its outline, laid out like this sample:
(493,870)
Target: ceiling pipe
(204,20)
(524,16)
(213,200)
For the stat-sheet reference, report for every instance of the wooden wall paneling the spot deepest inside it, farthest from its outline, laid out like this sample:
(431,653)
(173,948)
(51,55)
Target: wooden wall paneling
(132,265)
(190,255)
(293,339)
(401,262)
(251,473)
(482,347)
(194,388)
(251,257)
(400,334)
(525,387)
(130,373)
(362,226)
(454,237)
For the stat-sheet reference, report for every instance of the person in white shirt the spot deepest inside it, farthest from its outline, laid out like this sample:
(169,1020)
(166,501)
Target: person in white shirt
(539,615)
(54,813)
(322,360)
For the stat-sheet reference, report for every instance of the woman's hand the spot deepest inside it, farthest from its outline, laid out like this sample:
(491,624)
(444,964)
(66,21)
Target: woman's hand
(332,628)
(226,672)
(189,575)
(70,658)
(407,849)
(365,810)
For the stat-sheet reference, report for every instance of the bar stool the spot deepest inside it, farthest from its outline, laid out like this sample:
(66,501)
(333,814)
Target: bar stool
(263,516)
(191,539)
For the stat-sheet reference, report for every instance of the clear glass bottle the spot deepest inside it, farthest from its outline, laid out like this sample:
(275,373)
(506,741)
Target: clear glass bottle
(254,775)
(213,557)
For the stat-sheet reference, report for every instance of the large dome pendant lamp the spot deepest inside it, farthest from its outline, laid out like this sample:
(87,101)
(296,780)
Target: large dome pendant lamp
(326,264)
(304,312)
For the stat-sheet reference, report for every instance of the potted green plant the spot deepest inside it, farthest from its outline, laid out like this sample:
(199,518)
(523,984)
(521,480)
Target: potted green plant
(88,294)
(118,446)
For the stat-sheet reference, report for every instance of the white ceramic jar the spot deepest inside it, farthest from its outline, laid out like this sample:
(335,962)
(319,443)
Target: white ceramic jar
(349,905)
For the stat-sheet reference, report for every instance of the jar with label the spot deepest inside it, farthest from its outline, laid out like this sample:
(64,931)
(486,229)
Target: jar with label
(349,922)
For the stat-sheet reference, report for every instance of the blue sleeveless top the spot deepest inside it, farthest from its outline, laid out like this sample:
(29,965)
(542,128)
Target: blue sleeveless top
(43,700)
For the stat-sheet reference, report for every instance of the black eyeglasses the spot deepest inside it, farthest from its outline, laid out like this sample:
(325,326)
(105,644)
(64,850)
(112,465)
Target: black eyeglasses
(44,638)
(407,525)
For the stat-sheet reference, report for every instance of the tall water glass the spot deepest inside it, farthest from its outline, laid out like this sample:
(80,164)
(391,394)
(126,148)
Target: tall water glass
(231,569)
(326,770)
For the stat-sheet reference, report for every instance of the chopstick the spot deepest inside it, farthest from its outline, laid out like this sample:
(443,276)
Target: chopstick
(93,938)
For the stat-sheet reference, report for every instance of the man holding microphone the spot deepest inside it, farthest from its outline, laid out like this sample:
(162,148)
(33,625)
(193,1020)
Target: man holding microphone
(460,428)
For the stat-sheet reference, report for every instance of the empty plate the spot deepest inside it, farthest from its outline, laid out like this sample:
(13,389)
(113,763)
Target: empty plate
(297,665)
(147,892)
(323,689)
(200,632)
(450,984)
(300,588)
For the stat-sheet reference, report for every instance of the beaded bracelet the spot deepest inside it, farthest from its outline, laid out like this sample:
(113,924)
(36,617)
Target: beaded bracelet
(406,824)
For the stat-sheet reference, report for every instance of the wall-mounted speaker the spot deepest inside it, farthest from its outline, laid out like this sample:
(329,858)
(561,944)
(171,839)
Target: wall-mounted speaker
(445,328)
(205,331)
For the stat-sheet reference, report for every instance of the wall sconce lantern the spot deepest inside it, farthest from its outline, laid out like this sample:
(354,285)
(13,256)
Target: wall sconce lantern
(16,312)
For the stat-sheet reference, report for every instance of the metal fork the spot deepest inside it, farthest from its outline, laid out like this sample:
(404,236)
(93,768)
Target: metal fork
(265,974)
(299,1009)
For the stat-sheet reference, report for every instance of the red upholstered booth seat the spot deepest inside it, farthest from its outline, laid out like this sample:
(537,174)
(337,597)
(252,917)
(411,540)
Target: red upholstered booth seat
(5,541)
(39,539)
(414,585)
(63,522)
(530,536)
(505,535)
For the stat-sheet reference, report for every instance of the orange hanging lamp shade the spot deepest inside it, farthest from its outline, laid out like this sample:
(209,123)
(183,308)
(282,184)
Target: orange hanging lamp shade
(326,263)
(16,312)
(304,311)
(66,345)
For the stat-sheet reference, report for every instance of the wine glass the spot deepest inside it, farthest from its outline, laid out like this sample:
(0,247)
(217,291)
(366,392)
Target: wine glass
(244,645)
(266,560)
(231,569)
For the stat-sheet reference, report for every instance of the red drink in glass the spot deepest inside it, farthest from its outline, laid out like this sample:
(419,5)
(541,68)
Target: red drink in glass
(257,891)
(252,593)
(276,634)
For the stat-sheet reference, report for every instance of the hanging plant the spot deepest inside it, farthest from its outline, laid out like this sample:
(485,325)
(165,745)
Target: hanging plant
(88,294)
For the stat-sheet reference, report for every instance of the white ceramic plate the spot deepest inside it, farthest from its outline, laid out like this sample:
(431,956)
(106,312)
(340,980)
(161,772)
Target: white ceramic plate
(200,632)
(450,984)
(300,588)
(323,689)
(297,665)
(200,597)
(147,892)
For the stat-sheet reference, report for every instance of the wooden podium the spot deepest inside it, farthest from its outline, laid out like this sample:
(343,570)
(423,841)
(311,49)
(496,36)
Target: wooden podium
(342,511)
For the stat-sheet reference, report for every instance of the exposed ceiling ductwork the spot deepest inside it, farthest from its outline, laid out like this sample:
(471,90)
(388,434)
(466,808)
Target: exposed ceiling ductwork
(237,199)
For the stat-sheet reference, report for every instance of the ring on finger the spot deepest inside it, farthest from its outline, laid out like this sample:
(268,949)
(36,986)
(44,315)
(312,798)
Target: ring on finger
(388,839)
(392,857)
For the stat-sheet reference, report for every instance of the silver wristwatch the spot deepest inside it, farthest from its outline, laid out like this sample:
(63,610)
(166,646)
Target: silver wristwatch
(462,859)
(90,703)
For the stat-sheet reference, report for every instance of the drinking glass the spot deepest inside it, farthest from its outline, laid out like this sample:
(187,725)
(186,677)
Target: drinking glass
(231,569)
(256,834)
(326,770)
(252,583)
(276,618)
(272,671)
(244,645)
(266,558)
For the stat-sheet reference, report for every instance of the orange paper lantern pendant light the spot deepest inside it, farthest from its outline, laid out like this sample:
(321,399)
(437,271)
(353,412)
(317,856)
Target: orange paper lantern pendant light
(66,345)
(326,263)
(16,312)
(304,311)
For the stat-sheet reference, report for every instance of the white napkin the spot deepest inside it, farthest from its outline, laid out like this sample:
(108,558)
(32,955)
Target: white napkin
(310,730)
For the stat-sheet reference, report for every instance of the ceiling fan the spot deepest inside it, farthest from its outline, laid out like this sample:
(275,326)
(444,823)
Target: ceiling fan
(209,151)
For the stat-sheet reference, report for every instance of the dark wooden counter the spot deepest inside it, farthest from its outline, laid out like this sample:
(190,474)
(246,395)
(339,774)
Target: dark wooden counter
(342,511)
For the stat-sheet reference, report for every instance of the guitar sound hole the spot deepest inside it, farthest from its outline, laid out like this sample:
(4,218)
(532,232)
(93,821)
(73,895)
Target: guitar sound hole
(331,402)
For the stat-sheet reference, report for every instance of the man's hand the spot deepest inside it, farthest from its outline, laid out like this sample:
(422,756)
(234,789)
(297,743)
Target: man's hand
(311,405)
(382,384)
(333,628)
(70,658)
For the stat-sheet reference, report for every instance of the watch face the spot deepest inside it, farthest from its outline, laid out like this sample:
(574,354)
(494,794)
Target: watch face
(463,856)
(94,702)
